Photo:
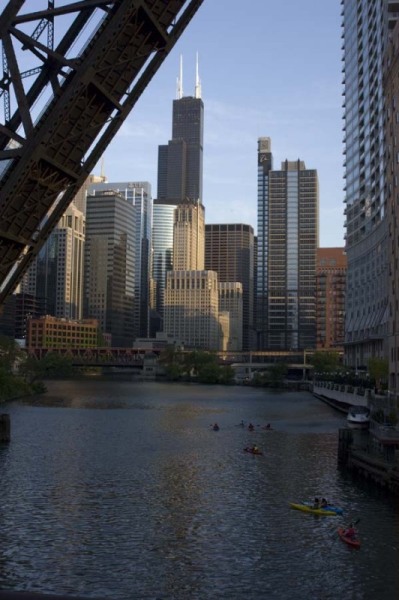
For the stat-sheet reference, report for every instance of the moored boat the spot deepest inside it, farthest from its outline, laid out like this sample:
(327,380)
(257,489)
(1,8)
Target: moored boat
(327,511)
(351,541)
(358,417)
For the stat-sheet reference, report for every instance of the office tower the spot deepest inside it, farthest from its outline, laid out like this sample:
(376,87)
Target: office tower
(138,193)
(192,308)
(188,237)
(191,302)
(366,27)
(180,162)
(330,293)
(287,244)
(231,302)
(229,250)
(110,265)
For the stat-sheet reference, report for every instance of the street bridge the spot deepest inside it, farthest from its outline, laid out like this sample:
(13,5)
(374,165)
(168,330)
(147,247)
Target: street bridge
(62,100)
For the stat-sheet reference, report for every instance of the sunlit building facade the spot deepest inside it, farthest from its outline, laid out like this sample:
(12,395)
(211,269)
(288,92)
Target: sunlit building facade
(330,293)
(138,193)
(109,292)
(192,308)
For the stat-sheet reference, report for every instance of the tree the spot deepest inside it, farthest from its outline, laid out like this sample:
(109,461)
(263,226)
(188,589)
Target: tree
(326,362)
(378,370)
(10,353)
(276,374)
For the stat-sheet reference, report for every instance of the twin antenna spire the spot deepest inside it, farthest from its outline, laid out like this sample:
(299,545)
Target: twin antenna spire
(179,90)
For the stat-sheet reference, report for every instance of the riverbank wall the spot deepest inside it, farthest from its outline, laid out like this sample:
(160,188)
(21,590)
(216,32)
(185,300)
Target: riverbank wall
(371,454)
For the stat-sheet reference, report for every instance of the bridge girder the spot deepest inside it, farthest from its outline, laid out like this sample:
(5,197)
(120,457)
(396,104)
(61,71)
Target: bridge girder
(89,91)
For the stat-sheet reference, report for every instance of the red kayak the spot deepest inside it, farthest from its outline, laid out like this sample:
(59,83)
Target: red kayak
(354,542)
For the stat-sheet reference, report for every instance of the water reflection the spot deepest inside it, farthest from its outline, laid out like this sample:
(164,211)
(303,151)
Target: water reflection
(122,491)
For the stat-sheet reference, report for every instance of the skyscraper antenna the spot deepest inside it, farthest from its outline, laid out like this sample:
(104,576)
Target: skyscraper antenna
(179,91)
(197,80)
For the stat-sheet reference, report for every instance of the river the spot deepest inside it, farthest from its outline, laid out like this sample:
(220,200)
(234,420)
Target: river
(122,490)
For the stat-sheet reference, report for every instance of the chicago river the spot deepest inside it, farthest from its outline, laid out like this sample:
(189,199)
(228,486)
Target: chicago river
(122,490)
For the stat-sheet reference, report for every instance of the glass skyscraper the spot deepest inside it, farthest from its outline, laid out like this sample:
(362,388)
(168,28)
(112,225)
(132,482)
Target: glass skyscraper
(366,26)
(287,246)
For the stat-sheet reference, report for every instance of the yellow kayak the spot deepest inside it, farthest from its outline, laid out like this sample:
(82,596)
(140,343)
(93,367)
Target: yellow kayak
(316,511)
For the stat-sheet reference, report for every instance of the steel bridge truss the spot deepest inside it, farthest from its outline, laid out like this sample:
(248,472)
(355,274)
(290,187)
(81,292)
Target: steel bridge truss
(62,102)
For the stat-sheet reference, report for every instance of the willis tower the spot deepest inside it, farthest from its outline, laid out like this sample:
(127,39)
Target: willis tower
(180,162)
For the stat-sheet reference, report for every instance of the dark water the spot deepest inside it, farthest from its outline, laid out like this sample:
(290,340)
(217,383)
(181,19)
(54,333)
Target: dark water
(121,490)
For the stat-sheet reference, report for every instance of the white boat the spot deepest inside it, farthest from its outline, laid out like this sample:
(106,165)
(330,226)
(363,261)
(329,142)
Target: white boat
(358,417)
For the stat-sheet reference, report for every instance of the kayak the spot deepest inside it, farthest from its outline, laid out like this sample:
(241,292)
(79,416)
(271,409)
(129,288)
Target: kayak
(251,451)
(328,511)
(353,542)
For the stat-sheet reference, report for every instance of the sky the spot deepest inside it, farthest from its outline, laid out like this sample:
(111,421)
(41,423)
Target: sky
(267,68)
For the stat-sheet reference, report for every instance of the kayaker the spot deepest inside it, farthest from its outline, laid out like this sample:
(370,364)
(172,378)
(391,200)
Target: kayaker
(316,503)
(251,427)
(323,503)
(216,427)
(255,449)
(350,532)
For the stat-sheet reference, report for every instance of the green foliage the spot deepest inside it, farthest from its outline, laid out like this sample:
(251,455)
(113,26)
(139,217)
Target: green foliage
(12,386)
(10,352)
(273,377)
(326,362)
(198,365)
(378,369)
(276,374)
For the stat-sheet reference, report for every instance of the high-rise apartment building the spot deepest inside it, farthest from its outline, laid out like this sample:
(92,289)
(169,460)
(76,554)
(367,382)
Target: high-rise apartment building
(109,291)
(229,250)
(366,25)
(330,293)
(180,162)
(391,93)
(287,244)
(138,193)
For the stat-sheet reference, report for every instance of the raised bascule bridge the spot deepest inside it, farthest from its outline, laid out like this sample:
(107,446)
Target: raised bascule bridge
(71,74)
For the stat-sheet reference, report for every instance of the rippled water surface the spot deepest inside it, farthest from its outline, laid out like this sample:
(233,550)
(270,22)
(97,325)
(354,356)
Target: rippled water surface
(122,490)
